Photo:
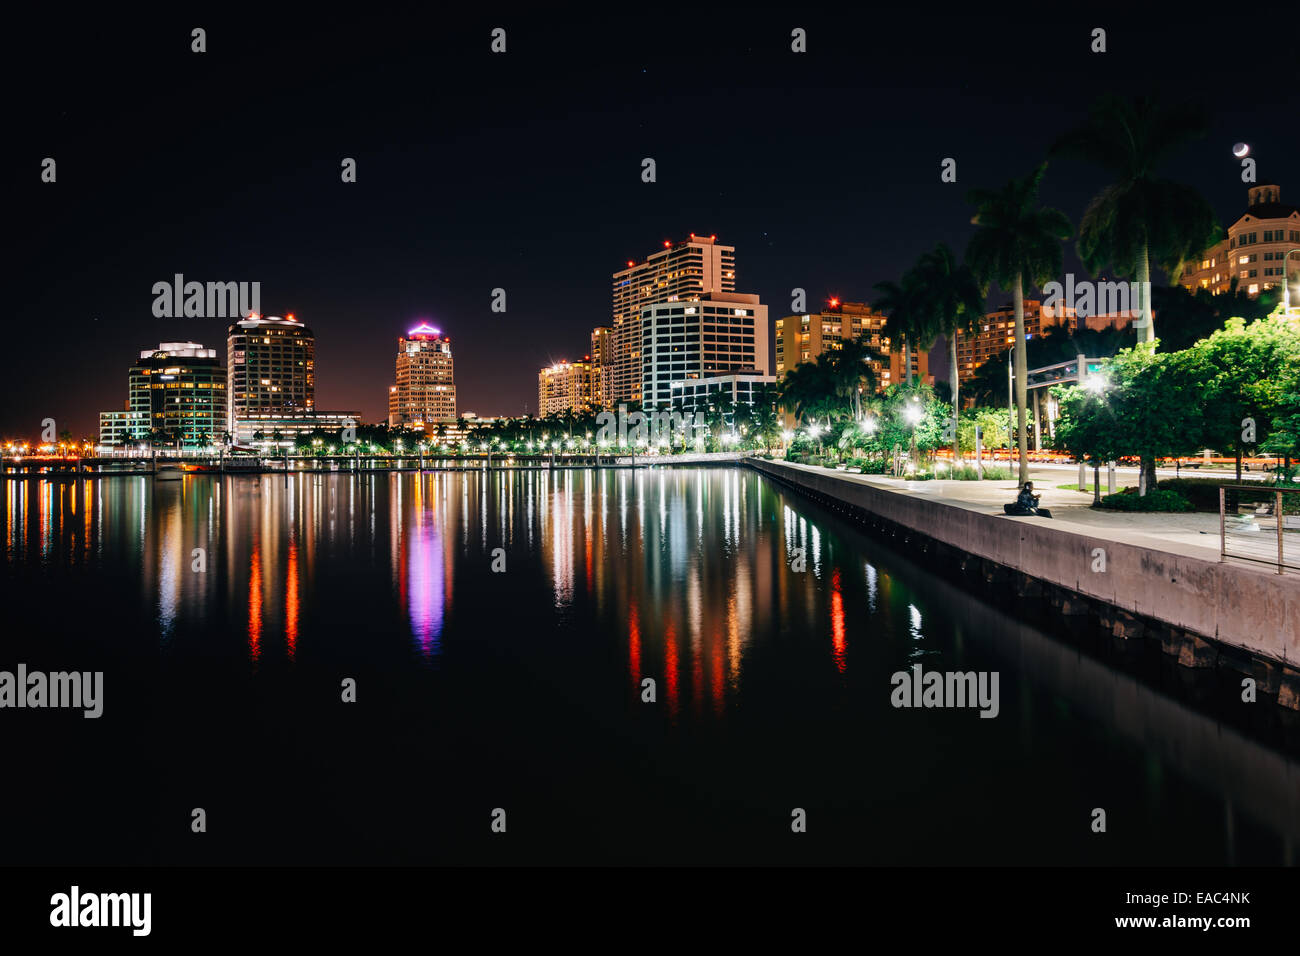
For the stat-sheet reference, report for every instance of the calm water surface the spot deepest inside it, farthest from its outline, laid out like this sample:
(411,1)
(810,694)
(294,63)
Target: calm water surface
(521,689)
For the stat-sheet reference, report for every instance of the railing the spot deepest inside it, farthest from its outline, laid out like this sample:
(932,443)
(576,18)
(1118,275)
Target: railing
(1261,524)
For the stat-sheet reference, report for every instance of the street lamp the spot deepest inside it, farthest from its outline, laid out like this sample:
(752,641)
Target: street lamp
(1286,281)
(913,415)
(1011,401)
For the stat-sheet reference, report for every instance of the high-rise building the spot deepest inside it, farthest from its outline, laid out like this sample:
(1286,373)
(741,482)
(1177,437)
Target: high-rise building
(680,270)
(601,346)
(425,390)
(176,393)
(1255,252)
(802,338)
(699,336)
(567,386)
(997,333)
(271,368)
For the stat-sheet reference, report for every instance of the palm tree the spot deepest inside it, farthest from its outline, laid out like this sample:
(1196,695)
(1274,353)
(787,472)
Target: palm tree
(1139,217)
(952,304)
(1018,241)
(807,389)
(897,303)
(850,371)
(762,414)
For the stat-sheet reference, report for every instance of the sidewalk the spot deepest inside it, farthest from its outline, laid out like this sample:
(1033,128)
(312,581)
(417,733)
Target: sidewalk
(1191,534)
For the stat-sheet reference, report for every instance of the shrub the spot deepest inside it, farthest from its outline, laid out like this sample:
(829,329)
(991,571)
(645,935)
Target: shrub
(970,473)
(872,466)
(1158,499)
(1203,493)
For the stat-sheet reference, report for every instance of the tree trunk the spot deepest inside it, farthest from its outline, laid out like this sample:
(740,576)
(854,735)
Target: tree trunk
(1022,373)
(1148,331)
(907,360)
(1238,466)
(956,386)
(1148,470)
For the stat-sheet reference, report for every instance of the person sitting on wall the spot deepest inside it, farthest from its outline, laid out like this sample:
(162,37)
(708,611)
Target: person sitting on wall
(1026,504)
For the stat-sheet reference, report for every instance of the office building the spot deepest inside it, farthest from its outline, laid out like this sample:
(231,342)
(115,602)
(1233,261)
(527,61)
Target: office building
(271,368)
(176,395)
(425,388)
(679,271)
(702,336)
(741,387)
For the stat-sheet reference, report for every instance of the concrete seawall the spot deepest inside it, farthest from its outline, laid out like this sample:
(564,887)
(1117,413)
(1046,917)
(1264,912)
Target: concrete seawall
(1206,605)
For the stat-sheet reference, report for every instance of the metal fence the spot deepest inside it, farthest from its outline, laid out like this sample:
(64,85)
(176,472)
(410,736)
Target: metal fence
(1261,524)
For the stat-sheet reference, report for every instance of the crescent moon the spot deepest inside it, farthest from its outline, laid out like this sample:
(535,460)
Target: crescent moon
(1241,149)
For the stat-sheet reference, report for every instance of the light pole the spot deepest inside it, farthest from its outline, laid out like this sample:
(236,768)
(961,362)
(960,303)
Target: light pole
(1011,400)
(1286,281)
(913,414)
(1097,385)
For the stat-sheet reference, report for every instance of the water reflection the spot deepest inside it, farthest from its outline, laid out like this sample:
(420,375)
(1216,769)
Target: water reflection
(734,598)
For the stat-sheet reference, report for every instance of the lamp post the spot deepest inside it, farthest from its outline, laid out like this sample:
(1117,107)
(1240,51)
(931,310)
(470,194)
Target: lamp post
(1097,385)
(1286,281)
(913,414)
(1011,400)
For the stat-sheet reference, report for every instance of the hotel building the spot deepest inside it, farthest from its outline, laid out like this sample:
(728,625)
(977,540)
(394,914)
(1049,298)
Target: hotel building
(700,336)
(601,356)
(176,393)
(1255,252)
(997,333)
(679,271)
(567,386)
(425,390)
(802,338)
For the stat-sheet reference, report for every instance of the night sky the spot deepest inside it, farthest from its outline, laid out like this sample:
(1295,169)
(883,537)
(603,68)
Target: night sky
(522,170)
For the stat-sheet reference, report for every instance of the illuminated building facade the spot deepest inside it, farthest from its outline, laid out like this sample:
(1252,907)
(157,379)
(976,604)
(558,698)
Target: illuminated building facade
(700,336)
(425,388)
(802,338)
(997,333)
(680,270)
(698,395)
(567,386)
(1255,252)
(601,346)
(176,394)
(270,367)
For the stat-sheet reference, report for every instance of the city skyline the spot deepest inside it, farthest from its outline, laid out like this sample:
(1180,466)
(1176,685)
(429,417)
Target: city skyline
(429,232)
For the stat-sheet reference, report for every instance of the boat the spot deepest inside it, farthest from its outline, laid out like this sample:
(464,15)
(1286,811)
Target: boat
(169,472)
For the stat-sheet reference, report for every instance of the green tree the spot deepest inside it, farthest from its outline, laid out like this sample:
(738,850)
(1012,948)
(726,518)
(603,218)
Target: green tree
(1248,371)
(808,390)
(850,373)
(1139,216)
(1017,242)
(1150,406)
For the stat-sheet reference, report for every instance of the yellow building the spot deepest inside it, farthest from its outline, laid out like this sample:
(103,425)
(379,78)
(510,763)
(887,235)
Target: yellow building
(678,271)
(1255,251)
(425,391)
(801,338)
(567,386)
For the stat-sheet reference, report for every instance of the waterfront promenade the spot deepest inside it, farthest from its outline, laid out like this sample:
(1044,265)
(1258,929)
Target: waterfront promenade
(1162,567)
